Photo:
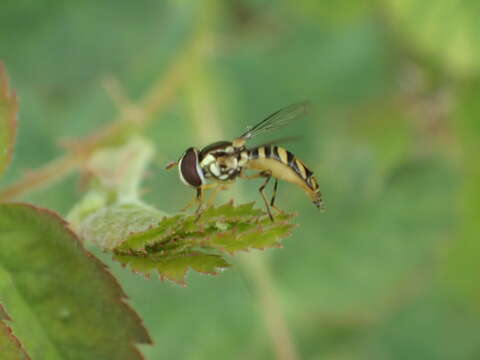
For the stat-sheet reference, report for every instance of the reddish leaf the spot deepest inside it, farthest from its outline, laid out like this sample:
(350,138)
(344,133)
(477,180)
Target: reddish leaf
(65,303)
(8,120)
(10,346)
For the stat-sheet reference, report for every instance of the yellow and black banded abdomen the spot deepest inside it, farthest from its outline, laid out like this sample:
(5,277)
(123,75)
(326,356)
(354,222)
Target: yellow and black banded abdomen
(283,165)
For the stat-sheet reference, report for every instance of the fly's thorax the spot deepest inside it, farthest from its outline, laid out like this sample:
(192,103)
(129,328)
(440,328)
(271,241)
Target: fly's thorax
(243,157)
(221,161)
(221,168)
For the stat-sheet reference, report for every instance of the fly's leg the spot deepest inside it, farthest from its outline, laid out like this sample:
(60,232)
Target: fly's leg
(268,176)
(272,202)
(200,195)
(199,198)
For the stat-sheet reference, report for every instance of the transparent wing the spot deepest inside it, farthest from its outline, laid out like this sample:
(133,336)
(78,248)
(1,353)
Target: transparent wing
(284,140)
(278,119)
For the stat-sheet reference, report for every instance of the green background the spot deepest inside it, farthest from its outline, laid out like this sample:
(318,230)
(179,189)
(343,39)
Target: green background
(390,270)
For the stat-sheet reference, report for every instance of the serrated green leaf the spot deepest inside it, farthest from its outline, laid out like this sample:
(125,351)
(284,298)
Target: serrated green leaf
(8,121)
(230,213)
(173,245)
(257,238)
(140,240)
(10,346)
(64,302)
(174,267)
(183,226)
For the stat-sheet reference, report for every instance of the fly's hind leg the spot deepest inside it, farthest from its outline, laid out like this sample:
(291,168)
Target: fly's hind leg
(272,201)
(268,176)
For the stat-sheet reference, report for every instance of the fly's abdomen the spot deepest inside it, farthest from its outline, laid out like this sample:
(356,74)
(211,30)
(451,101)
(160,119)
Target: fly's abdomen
(283,165)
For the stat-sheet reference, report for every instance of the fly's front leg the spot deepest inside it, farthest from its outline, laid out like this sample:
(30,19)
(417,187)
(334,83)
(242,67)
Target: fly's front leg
(199,199)
(200,192)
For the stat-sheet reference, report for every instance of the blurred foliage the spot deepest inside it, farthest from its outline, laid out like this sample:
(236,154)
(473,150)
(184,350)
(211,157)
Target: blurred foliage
(443,31)
(389,271)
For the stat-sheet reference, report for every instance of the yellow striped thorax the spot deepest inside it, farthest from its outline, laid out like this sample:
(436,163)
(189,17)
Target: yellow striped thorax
(222,161)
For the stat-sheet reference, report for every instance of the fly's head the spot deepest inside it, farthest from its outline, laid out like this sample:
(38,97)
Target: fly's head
(218,161)
(189,168)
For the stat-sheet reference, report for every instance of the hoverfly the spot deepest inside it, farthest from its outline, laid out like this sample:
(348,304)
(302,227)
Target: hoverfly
(224,161)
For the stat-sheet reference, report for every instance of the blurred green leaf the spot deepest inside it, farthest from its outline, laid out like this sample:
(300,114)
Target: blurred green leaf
(66,305)
(445,31)
(187,241)
(10,346)
(8,119)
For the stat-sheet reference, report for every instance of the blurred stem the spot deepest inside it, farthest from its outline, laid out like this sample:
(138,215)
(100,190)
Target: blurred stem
(54,170)
(268,297)
(462,257)
(156,100)
(205,120)
(271,308)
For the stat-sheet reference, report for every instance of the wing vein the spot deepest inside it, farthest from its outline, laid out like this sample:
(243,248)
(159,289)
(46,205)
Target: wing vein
(278,119)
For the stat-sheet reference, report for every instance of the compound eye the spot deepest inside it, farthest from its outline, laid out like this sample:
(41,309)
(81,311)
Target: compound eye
(189,168)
